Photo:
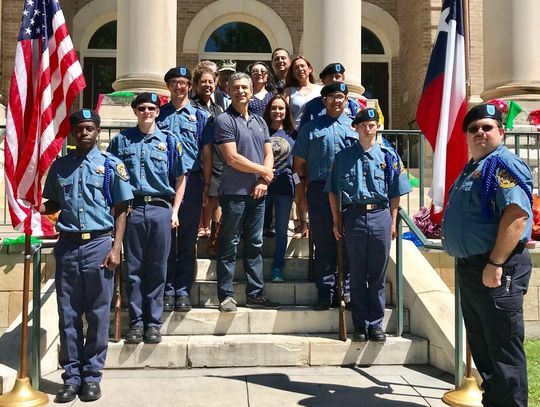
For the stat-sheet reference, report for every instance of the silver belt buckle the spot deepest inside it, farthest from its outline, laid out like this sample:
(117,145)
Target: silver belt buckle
(147,198)
(86,236)
(370,207)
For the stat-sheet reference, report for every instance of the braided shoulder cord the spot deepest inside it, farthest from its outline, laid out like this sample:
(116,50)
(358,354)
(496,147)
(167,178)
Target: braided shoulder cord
(107,182)
(201,122)
(171,152)
(489,186)
(388,169)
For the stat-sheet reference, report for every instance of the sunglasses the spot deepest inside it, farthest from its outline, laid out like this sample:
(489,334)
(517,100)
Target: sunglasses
(145,108)
(485,128)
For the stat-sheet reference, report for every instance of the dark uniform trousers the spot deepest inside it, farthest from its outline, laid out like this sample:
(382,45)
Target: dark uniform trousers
(495,330)
(182,264)
(367,240)
(147,244)
(83,287)
(324,241)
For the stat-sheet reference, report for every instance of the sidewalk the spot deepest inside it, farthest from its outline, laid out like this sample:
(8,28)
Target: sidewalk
(381,386)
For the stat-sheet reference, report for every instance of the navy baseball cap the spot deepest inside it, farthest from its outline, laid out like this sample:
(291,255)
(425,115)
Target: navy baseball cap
(482,111)
(84,115)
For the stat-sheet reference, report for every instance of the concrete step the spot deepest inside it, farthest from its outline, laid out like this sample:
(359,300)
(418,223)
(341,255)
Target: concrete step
(296,268)
(300,292)
(265,350)
(295,247)
(287,320)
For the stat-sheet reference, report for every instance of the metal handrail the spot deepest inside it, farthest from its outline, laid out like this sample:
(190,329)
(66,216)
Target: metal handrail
(403,216)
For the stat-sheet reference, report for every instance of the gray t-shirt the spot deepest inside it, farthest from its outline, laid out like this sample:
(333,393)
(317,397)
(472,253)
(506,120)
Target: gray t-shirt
(250,137)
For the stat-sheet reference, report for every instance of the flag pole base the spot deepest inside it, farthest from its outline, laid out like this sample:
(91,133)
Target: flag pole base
(466,395)
(23,395)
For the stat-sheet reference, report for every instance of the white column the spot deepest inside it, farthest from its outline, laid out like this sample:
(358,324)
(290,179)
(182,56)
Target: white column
(146,44)
(511,52)
(333,33)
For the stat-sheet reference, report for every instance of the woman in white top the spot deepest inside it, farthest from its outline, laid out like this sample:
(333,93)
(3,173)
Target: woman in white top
(300,87)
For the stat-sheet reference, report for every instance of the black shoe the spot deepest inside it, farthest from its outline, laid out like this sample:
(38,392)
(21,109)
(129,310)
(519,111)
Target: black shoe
(182,304)
(322,304)
(270,232)
(376,335)
(262,302)
(67,393)
(152,335)
(90,392)
(360,335)
(135,335)
(168,303)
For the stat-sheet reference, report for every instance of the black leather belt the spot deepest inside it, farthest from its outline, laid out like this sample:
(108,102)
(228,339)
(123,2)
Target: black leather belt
(144,199)
(464,261)
(85,236)
(366,207)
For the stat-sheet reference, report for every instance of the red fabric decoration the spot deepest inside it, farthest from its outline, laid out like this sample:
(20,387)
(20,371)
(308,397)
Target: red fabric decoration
(536,218)
(534,119)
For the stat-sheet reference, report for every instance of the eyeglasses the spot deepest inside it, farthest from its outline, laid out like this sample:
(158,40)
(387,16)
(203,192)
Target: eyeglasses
(181,83)
(337,98)
(145,108)
(262,72)
(485,128)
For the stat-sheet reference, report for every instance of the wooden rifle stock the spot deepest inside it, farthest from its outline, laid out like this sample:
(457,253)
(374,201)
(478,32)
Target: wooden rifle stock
(118,303)
(341,274)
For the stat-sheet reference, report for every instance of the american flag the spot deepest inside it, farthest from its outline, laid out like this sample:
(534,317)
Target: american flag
(46,78)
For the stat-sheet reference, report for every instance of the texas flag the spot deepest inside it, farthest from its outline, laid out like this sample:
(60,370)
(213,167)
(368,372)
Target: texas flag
(443,104)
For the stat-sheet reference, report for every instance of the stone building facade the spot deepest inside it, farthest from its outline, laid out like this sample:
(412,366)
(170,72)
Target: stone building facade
(384,44)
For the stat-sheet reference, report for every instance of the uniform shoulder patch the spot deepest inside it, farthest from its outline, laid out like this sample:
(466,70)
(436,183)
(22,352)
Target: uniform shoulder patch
(399,165)
(179,148)
(122,171)
(505,179)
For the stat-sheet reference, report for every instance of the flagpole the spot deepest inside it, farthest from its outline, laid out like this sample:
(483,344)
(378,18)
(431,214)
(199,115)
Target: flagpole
(467,394)
(23,394)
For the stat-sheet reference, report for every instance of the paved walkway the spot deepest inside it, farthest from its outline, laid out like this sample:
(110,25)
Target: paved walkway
(381,386)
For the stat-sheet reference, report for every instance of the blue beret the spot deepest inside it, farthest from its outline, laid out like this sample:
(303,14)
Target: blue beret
(334,87)
(84,115)
(146,97)
(177,72)
(332,69)
(483,111)
(366,115)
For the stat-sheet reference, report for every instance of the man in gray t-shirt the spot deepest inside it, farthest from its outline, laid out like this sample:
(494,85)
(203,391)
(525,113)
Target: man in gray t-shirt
(244,142)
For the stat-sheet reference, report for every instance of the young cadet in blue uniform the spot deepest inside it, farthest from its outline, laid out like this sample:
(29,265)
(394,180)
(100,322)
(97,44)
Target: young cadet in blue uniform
(316,146)
(485,226)
(186,122)
(369,179)
(84,185)
(334,72)
(151,158)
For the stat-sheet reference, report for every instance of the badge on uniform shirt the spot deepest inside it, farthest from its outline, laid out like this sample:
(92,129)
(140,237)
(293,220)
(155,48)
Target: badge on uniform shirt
(383,166)
(121,168)
(162,146)
(192,118)
(506,180)
(100,169)
(179,148)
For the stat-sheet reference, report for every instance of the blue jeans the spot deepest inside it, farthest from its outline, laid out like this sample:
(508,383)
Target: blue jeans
(241,216)
(282,205)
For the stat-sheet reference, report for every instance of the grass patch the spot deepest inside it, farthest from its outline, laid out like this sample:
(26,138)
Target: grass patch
(532,349)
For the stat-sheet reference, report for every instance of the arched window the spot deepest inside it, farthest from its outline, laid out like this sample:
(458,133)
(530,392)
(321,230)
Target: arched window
(370,43)
(99,63)
(238,41)
(104,37)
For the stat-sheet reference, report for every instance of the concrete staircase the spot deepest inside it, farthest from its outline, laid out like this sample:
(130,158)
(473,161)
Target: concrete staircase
(295,335)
